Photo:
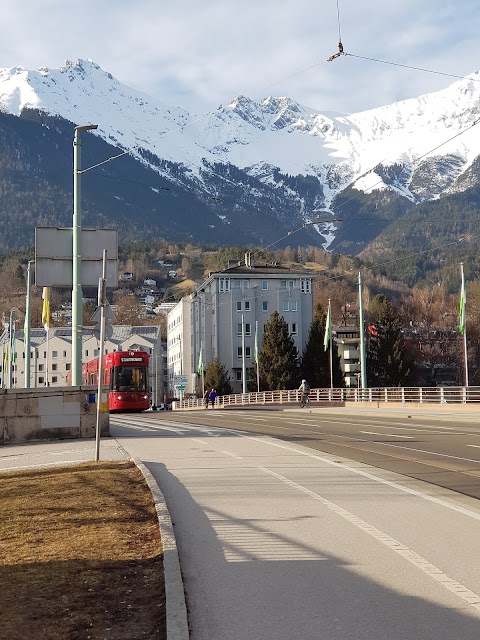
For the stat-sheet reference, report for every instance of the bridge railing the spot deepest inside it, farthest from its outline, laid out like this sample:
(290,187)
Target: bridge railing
(401,395)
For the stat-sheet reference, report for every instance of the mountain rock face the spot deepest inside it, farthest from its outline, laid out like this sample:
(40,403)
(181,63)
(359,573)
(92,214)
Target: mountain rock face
(250,172)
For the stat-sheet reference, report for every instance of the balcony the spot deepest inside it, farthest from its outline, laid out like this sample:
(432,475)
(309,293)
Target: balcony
(351,367)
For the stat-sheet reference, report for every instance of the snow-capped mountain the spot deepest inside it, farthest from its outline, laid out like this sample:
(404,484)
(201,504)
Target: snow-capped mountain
(279,158)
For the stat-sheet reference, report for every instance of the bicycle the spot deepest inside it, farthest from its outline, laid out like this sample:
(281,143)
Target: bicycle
(304,401)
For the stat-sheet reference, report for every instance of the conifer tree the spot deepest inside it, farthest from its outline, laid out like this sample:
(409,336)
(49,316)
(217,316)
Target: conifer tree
(315,363)
(278,359)
(387,363)
(216,378)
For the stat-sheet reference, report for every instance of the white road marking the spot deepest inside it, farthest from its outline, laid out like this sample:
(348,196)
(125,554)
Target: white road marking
(229,453)
(414,558)
(366,474)
(477,446)
(390,435)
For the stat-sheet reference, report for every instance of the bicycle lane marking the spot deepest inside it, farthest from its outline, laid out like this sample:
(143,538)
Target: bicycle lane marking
(414,558)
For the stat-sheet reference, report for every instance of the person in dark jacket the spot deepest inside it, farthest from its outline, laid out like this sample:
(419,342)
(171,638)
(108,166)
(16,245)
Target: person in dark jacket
(212,396)
(206,398)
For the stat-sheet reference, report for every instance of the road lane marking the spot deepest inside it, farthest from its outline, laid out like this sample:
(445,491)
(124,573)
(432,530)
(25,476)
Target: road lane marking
(366,474)
(389,435)
(229,453)
(477,446)
(414,558)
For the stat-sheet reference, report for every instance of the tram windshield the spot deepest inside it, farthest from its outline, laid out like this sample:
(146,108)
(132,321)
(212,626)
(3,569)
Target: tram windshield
(129,379)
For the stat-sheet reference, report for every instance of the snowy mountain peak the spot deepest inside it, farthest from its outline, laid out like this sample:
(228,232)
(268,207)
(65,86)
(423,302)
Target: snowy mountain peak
(274,136)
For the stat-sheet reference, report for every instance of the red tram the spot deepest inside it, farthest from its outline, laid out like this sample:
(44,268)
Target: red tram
(126,374)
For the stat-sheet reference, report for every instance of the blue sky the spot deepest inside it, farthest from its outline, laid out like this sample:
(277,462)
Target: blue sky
(198,55)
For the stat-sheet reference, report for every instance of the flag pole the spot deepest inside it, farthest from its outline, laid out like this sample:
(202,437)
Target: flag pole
(463,323)
(244,367)
(331,350)
(256,356)
(361,328)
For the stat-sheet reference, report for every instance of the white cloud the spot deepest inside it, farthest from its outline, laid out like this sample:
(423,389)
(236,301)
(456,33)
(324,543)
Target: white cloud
(199,55)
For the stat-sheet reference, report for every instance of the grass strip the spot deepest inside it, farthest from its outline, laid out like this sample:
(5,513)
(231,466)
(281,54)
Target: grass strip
(81,555)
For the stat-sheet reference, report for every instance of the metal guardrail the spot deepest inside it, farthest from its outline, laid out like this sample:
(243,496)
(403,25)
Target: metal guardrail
(403,395)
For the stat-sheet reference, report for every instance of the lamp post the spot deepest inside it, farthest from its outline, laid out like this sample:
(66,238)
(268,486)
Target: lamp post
(26,337)
(77,295)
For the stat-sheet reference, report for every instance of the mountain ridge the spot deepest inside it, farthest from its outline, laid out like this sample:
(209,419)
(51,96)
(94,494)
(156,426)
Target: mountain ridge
(257,168)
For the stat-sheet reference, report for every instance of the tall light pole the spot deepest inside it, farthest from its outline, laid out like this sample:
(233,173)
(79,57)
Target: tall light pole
(26,337)
(77,295)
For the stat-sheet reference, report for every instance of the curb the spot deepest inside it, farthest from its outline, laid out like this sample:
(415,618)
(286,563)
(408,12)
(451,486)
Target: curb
(176,608)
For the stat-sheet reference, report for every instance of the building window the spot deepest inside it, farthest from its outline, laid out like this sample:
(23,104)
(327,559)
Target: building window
(245,284)
(239,329)
(283,284)
(305,286)
(239,305)
(68,366)
(54,367)
(248,352)
(54,354)
(264,285)
(41,367)
(247,305)
(293,306)
(44,355)
(41,380)
(264,305)
(224,285)
(248,328)
(294,328)
(54,378)
(96,353)
(86,353)
(238,376)
(285,306)
(64,354)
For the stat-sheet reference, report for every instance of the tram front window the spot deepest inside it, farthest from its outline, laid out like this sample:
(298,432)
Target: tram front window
(129,379)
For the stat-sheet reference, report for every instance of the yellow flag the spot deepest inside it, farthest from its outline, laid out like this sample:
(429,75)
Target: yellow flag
(46,308)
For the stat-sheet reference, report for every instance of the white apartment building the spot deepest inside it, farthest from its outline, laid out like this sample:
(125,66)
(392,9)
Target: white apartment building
(253,291)
(179,349)
(59,357)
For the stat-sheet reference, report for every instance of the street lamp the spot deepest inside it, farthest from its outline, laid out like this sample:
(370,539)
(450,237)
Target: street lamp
(26,337)
(77,295)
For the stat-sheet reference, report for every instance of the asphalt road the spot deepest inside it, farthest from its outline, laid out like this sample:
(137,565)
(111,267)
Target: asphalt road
(321,531)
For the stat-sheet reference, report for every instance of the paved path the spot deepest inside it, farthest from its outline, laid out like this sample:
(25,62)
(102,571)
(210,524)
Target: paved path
(51,454)
(278,541)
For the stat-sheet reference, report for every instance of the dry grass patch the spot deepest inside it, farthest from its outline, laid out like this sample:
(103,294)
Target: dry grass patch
(81,555)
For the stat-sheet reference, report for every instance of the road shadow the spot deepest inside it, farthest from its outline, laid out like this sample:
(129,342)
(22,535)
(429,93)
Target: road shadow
(247,579)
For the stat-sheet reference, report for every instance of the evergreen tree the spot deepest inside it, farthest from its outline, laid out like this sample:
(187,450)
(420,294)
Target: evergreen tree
(278,359)
(315,363)
(216,378)
(387,363)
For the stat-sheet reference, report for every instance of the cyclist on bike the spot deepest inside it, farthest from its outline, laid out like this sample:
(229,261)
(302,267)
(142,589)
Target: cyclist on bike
(304,388)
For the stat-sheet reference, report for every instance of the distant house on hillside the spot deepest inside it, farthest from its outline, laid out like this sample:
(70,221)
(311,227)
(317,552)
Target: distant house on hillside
(126,275)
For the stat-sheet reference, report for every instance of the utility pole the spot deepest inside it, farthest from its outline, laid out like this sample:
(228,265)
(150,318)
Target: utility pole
(77,294)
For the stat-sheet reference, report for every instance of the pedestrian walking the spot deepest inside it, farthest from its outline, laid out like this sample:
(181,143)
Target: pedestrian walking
(206,398)
(212,396)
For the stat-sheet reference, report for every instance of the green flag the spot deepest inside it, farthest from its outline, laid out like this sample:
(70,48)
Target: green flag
(328,328)
(461,310)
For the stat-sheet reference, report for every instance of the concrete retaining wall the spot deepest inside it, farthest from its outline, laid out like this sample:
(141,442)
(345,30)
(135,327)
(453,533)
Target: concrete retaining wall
(28,415)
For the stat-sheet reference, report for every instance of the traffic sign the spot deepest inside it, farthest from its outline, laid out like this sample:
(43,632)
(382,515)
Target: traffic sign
(180,387)
(180,380)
